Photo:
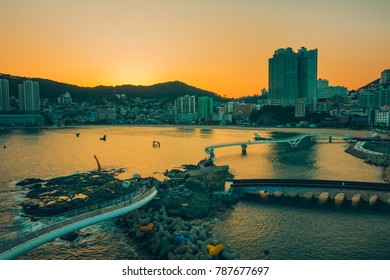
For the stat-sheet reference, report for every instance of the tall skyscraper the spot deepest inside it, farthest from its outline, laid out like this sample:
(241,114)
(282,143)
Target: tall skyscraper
(283,77)
(307,75)
(293,76)
(4,96)
(205,107)
(29,96)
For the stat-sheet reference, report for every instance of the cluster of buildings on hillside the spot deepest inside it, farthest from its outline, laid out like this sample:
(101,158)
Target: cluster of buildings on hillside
(293,82)
(31,110)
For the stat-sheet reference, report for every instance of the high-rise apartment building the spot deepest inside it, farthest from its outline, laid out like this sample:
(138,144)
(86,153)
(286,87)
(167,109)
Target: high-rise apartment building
(185,109)
(185,104)
(283,77)
(29,96)
(293,76)
(4,96)
(205,107)
(307,75)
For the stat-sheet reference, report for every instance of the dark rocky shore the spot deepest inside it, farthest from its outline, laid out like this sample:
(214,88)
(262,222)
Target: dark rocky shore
(173,226)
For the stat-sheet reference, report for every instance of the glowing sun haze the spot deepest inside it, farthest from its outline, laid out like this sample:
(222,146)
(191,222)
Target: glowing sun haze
(220,45)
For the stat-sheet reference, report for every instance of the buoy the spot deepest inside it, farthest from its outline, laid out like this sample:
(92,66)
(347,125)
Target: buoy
(264,194)
(98,163)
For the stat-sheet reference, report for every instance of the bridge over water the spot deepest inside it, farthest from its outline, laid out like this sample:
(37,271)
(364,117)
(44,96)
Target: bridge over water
(293,141)
(68,222)
(373,193)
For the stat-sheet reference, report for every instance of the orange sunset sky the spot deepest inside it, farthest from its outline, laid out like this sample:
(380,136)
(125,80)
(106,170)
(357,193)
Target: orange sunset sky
(218,45)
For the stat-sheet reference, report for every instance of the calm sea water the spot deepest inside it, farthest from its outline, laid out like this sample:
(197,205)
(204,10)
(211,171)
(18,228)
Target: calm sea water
(251,227)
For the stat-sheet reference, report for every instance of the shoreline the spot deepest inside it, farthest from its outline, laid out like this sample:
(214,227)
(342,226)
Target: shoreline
(306,130)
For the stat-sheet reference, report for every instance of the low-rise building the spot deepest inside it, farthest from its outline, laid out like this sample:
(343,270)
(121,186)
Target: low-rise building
(382,118)
(300,109)
(22,119)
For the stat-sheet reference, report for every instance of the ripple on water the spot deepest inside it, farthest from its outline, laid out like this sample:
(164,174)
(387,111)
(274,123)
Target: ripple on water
(290,232)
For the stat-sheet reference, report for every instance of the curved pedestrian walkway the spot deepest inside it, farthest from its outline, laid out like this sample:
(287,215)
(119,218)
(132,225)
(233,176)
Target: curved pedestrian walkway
(74,220)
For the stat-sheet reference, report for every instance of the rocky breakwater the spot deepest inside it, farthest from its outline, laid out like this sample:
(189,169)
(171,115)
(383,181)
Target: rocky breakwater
(376,159)
(166,237)
(196,192)
(58,195)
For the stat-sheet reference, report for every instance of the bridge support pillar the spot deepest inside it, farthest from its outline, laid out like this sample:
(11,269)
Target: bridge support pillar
(243,148)
(330,139)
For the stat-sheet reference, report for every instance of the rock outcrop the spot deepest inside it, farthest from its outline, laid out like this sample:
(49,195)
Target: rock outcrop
(58,195)
(194,193)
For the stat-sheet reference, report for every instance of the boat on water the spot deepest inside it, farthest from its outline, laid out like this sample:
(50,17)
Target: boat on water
(257,137)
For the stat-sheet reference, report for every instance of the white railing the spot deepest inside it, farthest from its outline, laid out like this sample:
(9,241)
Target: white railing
(70,217)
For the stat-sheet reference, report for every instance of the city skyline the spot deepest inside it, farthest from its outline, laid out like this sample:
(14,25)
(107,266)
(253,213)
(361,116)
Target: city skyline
(221,46)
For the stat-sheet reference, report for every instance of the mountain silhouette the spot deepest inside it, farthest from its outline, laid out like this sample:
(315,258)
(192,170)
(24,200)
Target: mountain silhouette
(53,89)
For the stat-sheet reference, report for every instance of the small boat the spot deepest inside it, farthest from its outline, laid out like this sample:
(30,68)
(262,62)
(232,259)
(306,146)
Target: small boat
(257,137)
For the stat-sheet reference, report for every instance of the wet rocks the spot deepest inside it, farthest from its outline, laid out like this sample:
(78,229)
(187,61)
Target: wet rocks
(29,181)
(173,238)
(70,236)
(58,195)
